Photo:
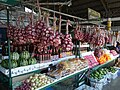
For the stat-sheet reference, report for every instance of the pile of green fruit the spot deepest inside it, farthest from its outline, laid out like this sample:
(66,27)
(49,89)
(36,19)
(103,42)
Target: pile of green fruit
(17,60)
(112,69)
(100,73)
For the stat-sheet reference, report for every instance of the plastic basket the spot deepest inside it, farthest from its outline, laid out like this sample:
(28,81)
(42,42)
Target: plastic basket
(105,80)
(97,84)
(114,75)
(117,72)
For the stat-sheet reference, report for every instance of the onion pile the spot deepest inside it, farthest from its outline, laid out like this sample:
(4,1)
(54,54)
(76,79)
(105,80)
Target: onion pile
(67,44)
(98,52)
(79,35)
(41,35)
(107,37)
(85,36)
(55,40)
(95,37)
(10,31)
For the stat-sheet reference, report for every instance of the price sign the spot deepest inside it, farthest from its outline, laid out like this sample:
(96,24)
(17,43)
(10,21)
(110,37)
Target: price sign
(92,14)
(91,60)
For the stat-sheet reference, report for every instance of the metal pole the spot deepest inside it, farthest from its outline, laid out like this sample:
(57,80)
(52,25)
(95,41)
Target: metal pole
(57,3)
(55,11)
(79,50)
(105,7)
(34,15)
(62,13)
(76,49)
(10,78)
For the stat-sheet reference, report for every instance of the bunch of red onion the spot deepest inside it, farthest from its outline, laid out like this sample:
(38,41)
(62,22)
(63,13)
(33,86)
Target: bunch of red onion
(98,52)
(79,35)
(67,44)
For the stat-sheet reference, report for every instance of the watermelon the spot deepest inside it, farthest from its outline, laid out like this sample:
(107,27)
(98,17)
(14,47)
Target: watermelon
(5,63)
(14,63)
(14,56)
(32,61)
(25,55)
(23,62)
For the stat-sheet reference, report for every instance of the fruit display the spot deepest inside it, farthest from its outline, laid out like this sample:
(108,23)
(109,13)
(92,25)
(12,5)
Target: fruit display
(25,55)
(5,63)
(100,73)
(17,60)
(102,55)
(104,58)
(14,56)
(32,61)
(23,62)
(112,69)
(34,82)
(67,67)
(42,57)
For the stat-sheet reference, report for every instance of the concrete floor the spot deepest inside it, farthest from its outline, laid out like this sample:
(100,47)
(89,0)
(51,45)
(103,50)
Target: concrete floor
(114,85)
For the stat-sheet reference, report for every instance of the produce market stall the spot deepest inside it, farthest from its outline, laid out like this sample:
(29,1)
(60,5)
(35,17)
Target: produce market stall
(37,55)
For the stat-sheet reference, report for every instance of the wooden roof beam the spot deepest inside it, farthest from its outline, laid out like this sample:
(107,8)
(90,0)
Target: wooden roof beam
(105,7)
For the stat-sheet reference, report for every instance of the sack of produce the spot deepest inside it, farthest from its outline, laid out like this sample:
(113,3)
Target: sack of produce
(98,84)
(107,78)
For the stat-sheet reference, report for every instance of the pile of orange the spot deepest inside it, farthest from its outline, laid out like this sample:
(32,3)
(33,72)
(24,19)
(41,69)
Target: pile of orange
(103,58)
